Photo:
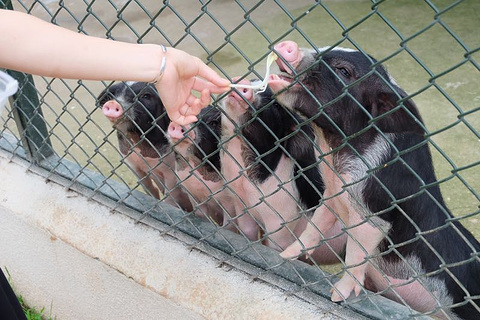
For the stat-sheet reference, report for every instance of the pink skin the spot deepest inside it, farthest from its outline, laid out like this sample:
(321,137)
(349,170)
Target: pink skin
(112,110)
(231,155)
(279,203)
(176,132)
(217,207)
(293,55)
(154,176)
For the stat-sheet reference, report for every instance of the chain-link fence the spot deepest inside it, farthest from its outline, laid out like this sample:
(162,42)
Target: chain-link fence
(261,170)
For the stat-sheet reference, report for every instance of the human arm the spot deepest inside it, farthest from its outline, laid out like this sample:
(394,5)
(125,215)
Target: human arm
(41,48)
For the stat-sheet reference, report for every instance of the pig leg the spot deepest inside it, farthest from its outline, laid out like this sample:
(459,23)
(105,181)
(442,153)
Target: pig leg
(159,182)
(175,195)
(363,241)
(148,184)
(144,179)
(207,211)
(280,235)
(247,225)
(229,214)
(406,291)
(279,223)
(331,250)
(322,220)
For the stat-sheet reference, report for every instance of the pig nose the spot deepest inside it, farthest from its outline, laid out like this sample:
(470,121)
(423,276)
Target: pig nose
(112,110)
(175,131)
(287,49)
(290,51)
(245,92)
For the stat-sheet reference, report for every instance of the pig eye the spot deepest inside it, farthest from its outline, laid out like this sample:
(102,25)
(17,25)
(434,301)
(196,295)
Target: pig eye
(344,72)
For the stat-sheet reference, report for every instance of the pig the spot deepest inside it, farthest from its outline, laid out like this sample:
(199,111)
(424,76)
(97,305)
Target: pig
(198,167)
(380,182)
(268,162)
(139,117)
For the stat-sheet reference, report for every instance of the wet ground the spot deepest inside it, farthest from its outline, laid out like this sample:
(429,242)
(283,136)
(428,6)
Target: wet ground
(234,37)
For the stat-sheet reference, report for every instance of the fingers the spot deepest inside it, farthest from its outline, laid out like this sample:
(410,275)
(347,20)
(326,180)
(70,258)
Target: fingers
(201,84)
(194,105)
(208,74)
(188,112)
(182,119)
(205,98)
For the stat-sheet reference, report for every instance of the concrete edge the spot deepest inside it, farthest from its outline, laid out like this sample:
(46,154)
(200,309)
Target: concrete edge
(188,279)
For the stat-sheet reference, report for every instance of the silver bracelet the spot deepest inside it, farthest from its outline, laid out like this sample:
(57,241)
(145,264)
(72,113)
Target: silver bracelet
(162,66)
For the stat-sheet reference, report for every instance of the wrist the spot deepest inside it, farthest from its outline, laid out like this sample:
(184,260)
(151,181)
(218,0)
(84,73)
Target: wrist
(163,65)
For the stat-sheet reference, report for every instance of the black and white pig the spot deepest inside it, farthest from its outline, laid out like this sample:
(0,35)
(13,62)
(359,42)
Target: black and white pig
(198,166)
(268,161)
(139,117)
(380,182)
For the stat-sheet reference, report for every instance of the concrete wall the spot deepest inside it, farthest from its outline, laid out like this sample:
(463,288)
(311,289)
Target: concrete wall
(80,260)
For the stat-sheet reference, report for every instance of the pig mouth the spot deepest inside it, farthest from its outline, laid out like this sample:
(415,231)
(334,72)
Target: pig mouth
(280,82)
(233,103)
(123,125)
(284,68)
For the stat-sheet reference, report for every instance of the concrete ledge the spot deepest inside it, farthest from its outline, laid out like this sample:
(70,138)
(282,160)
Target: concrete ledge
(90,263)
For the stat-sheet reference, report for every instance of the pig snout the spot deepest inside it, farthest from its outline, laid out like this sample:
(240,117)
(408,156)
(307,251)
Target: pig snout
(112,110)
(291,54)
(245,92)
(177,132)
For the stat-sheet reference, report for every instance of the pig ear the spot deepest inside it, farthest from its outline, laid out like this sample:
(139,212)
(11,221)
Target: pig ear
(401,118)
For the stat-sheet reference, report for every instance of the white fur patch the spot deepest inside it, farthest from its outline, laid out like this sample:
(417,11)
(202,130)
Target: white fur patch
(322,49)
(357,168)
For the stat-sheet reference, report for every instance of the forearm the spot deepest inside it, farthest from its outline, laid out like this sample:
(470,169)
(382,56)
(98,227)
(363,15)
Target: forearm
(38,47)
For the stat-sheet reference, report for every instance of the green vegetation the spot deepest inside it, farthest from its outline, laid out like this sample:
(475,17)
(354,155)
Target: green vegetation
(30,313)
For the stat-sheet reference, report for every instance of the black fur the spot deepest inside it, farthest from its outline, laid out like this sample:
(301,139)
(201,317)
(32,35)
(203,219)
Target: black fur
(262,128)
(404,186)
(145,115)
(209,131)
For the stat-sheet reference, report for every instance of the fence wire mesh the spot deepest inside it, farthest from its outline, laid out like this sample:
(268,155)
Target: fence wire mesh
(335,167)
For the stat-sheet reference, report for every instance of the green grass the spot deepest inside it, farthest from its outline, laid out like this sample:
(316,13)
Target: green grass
(31,313)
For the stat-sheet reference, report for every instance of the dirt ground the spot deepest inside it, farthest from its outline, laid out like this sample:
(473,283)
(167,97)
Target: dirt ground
(233,37)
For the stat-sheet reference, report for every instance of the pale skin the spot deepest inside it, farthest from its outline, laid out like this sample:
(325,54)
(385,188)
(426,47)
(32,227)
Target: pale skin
(41,48)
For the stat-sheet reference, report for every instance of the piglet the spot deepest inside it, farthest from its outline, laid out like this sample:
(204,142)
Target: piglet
(380,183)
(269,163)
(138,115)
(198,167)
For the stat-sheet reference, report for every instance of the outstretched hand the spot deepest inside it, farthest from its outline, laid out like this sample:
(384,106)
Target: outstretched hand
(184,73)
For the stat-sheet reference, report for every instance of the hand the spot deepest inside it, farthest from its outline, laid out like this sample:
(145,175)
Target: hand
(184,73)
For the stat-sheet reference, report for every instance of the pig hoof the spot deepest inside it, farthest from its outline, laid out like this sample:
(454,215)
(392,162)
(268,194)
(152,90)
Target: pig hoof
(344,288)
(298,248)
(293,251)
